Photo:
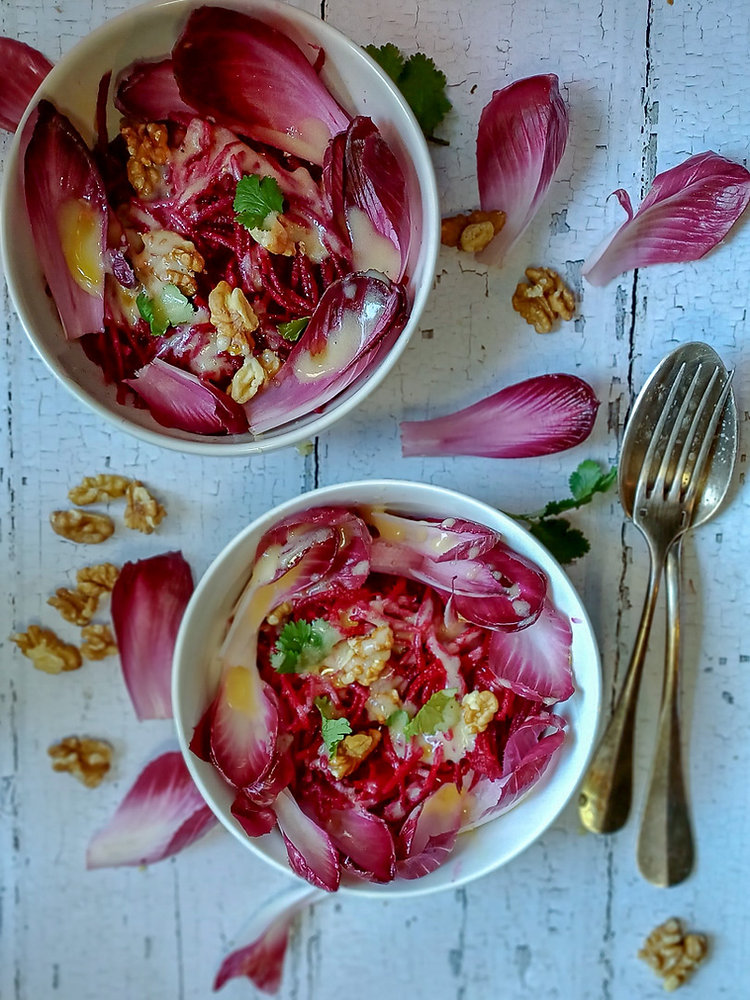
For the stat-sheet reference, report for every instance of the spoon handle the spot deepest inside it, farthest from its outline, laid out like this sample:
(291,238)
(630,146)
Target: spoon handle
(606,792)
(665,841)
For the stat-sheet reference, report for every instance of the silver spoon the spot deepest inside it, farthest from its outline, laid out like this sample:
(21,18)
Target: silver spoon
(666,452)
(665,842)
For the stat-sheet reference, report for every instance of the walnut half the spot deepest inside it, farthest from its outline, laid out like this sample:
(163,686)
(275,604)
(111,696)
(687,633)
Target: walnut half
(672,954)
(543,299)
(478,709)
(82,526)
(142,511)
(97,489)
(351,751)
(98,642)
(472,232)
(46,650)
(74,605)
(84,758)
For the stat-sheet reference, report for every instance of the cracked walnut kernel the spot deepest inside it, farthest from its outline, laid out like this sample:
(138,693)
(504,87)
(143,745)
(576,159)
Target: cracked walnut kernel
(478,709)
(361,658)
(84,758)
(74,605)
(672,954)
(98,579)
(82,526)
(472,232)
(544,299)
(97,489)
(234,319)
(98,642)
(46,650)
(276,238)
(169,257)
(247,380)
(351,751)
(142,511)
(149,149)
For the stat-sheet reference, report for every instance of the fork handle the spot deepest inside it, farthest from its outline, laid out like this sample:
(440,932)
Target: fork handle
(665,842)
(606,792)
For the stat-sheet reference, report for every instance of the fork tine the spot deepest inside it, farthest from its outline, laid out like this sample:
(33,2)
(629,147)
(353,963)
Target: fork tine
(657,437)
(662,480)
(696,469)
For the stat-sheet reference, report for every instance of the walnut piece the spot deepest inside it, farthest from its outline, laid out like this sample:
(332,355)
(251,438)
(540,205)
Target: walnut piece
(82,526)
(280,613)
(351,751)
(98,642)
(361,658)
(170,258)
(672,954)
(247,380)
(97,489)
(148,148)
(142,511)
(544,299)
(478,708)
(234,319)
(275,237)
(46,650)
(472,232)
(84,758)
(98,579)
(74,605)
(270,362)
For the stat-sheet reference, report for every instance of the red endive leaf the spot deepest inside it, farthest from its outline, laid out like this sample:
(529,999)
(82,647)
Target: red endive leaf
(430,832)
(520,142)
(161,814)
(535,662)
(23,70)
(148,602)
(687,212)
(148,92)
(67,206)
(539,416)
(252,78)
(311,854)
(244,726)
(261,958)
(364,839)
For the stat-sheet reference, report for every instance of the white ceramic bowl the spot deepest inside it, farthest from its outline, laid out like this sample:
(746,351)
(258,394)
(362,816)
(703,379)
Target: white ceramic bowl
(149,32)
(477,852)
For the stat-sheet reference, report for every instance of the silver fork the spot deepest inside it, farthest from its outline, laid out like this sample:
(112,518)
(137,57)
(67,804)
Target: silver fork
(668,486)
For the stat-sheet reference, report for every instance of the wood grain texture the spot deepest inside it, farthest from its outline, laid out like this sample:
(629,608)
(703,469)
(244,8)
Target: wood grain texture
(648,83)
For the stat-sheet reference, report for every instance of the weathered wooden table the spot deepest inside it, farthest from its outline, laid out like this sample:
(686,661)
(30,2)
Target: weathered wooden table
(648,83)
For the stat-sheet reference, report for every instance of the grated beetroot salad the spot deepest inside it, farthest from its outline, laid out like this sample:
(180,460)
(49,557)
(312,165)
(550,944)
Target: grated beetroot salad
(361,713)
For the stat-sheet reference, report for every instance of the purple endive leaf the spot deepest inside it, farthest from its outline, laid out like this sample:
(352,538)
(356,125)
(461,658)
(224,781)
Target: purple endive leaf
(252,78)
(24,68)
(311,853)
(376,205)
(148,92)
(353,315)
(364,839)
(535,662)
(261,958)
(161,814)
(244,725)
(255,820)
(181,400)
(451,538)
(520,142)
(540,416)
(67,206)
(430,832)
(687,212)
(148,601)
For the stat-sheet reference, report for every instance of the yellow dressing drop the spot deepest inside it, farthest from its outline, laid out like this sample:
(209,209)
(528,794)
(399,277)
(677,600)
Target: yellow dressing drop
(79,228)
(238,687)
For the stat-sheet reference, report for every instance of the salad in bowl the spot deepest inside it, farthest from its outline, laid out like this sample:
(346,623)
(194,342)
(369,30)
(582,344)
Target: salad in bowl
(234,214)
(385,686)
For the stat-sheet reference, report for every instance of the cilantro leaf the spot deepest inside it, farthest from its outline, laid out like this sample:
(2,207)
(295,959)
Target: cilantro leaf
(589,479)
(169,308)
(565,542)
(255,199)
(331,729)
(302,644)
(419,80)
(439,713)
(294,329)
(398,720)
(146,309)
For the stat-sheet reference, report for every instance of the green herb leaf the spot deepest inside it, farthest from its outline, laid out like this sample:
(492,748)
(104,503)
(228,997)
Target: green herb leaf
(419,80)
(589,479)
(332,730)
(302,645)
(146,309)
(169,308)
(565,542)
(398,720)
(441,712)
(255,199)
(294,329)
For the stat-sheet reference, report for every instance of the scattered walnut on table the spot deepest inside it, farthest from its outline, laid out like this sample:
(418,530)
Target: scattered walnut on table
(82,526)
(361,658)
(351,751)
(98,579)
(74,605)
(97,489)
(84,758)
(169,257)
(149,150)
(672,954)
(98,642)
(543,299)
(472,232)
(478,709)
(46,650)
(234,319)
(142,511)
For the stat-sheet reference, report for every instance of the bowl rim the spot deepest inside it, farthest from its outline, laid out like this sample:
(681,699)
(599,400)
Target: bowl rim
(496,519)
(311,425)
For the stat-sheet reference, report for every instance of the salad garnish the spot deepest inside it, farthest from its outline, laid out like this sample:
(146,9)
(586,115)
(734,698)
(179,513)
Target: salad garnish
(421,83)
